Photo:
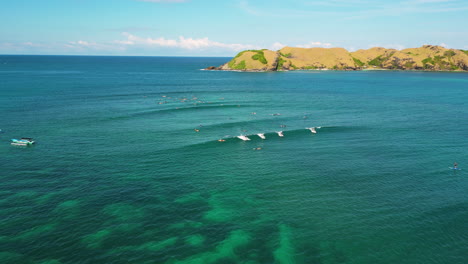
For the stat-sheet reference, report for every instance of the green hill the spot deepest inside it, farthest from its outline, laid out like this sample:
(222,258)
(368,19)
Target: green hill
(427,57)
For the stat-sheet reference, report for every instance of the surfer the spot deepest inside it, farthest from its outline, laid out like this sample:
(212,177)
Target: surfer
(455,165)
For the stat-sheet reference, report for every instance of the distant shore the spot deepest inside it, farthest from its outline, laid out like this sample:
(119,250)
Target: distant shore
(425,58)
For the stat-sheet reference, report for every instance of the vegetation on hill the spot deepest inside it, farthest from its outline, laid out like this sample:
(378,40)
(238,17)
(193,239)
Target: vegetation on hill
(379,60)
(427,57)
(358,62)
(238,66)
(288,55)
(260,56)
(279,65)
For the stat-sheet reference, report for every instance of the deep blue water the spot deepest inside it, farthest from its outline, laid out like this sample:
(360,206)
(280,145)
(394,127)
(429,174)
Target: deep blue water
(128,167)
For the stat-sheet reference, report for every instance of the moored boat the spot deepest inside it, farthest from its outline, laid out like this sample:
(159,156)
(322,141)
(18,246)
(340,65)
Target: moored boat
(22,142)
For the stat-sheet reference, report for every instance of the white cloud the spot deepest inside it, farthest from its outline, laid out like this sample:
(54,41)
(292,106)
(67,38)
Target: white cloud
(82,45)
(131,44)
(388,46)
(124,42)
(315,44)
(31,44)
(72,47)
(131,29)
(443,45)
(6,47)
(277,46)
(182,43)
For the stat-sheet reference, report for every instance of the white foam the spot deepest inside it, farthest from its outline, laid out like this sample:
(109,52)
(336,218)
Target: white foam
(261,135)
(312,129)
(280,133)
(243,138)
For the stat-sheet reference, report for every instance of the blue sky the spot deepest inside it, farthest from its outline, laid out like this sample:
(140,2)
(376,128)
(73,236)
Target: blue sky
(225,27)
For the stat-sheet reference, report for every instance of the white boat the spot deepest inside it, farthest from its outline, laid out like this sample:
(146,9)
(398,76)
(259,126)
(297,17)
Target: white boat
(280,133)
(243,138)
(22,142)
(312,129)
(261,135)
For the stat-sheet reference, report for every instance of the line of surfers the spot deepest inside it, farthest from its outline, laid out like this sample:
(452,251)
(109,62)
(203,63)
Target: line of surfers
(262,135)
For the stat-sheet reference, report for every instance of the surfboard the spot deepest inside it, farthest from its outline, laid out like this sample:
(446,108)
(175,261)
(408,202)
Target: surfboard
(452,168)
(243,138)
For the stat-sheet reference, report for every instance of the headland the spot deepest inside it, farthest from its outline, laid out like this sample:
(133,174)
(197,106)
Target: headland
(426,58)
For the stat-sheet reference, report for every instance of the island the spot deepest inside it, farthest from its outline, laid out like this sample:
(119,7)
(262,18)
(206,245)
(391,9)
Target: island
(427,58)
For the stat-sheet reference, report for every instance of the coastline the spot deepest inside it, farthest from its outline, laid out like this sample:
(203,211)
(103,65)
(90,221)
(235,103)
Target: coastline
(426,58)
(338,70)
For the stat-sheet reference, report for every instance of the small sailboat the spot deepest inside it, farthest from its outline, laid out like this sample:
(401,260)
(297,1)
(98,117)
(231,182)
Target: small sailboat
(280,133)
(261,135)
(22,142)
(243,138)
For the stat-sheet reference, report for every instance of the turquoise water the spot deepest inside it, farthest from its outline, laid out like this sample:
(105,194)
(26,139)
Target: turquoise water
(120,174)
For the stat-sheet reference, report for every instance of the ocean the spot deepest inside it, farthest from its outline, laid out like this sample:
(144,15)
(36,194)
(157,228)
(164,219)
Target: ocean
(137,160)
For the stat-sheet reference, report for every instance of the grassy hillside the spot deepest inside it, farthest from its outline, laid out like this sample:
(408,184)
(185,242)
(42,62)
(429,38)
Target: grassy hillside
(315,58)
(253,60)
(427,57)
(373,56)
